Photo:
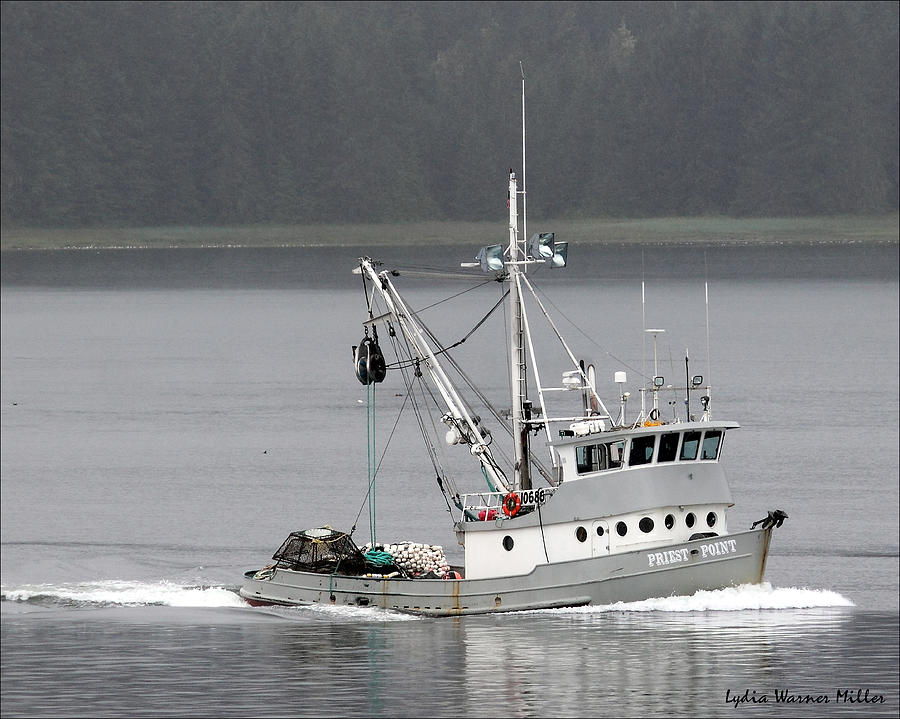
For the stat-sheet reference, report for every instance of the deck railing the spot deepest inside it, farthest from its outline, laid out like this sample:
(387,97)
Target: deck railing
(486,506)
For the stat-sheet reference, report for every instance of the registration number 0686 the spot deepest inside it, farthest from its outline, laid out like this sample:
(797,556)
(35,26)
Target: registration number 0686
(532,496)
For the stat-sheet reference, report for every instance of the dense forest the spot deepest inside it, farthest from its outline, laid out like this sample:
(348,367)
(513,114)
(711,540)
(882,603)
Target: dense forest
(175,113)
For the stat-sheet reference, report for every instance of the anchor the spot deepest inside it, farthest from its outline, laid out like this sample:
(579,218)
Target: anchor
(772,519)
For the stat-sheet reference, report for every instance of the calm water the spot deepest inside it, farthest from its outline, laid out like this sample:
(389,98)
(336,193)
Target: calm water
(169,416)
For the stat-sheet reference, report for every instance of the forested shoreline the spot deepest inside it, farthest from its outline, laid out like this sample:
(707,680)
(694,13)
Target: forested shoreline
(169,113)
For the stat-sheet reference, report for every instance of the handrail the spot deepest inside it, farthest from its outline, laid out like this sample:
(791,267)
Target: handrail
(530,498)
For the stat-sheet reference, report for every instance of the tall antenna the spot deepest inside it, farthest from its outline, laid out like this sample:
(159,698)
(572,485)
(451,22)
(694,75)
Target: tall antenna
(524,212)
(706,292)
(704,400)
(643,335)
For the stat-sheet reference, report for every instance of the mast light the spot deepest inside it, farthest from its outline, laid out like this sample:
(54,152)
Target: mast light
(490,258)
(543,246)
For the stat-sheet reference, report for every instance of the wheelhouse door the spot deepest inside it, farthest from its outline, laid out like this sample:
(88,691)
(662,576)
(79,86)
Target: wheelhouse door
(599,539)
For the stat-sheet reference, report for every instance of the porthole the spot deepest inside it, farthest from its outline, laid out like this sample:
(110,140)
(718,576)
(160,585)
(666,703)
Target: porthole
(581,534)
(508,543)
(646,525)
(711,519)
(690,519)
(600,531)
(670,521)
(622,529)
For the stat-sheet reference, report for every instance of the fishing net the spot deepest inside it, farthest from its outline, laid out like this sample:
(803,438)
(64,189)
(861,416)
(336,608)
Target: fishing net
(323,550)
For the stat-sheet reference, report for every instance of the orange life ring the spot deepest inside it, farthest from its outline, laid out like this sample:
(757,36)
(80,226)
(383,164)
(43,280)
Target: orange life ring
(512,502)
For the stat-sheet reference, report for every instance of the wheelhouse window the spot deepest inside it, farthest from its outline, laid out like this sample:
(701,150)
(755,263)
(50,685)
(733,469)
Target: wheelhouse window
(668,447)
(599,457)
(711,442)
(586,458)
(690,445)
(641,450)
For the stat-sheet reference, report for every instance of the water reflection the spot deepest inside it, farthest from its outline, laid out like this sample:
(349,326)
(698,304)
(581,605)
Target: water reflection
(372,663)
(567,663)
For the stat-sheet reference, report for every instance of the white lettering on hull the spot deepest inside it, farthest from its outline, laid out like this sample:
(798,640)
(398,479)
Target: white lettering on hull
(670,556)
(676,556)
(717,549)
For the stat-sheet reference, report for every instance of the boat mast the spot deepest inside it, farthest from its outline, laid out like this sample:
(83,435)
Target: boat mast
(517,366)
(520,406)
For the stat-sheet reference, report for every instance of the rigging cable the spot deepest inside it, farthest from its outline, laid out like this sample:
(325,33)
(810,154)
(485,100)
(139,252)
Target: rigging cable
(453,297)
(370,435)
(372,453)
(543,538)
(443,349)
(586,335)
(488,456)
(429,446)
(542,470)
(365,290)
(371,486)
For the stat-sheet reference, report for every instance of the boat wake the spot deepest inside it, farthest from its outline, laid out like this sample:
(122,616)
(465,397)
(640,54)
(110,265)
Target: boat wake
(731,599)
(116,593)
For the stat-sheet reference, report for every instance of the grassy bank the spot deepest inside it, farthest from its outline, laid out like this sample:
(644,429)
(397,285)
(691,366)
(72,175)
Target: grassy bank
(840,229)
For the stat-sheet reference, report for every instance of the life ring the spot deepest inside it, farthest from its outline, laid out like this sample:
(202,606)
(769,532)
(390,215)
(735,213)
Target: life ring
(512,502)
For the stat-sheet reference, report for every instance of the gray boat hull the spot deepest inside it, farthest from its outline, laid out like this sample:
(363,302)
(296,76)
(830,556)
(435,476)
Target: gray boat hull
(672,570)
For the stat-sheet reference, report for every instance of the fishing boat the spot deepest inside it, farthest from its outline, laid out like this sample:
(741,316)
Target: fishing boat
(583,507)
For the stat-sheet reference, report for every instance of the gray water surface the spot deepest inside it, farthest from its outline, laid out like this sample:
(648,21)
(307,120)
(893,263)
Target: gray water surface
(169,416)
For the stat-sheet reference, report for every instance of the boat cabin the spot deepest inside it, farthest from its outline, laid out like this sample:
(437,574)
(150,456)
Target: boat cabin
(653,485)
(648,445)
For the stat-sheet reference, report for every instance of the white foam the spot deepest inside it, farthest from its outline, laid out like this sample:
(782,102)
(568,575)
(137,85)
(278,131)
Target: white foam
(361,613)
(731,599)
(128,593)
(164,593)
